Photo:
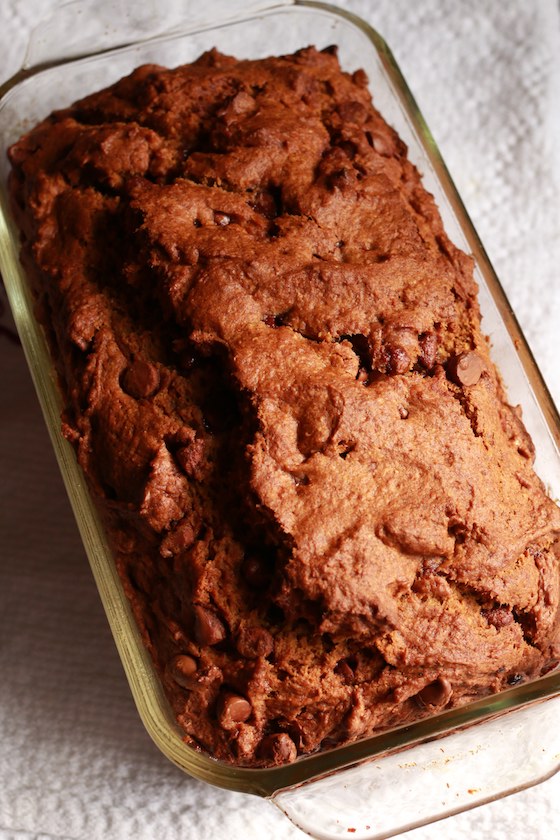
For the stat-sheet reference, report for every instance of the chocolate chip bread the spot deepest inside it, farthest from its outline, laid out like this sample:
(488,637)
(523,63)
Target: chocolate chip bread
(322,508)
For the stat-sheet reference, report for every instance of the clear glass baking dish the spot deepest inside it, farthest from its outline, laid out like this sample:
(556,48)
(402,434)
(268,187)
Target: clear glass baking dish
(380,786)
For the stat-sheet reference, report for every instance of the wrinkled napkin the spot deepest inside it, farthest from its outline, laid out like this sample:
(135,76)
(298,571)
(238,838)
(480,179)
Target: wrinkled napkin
(75,761)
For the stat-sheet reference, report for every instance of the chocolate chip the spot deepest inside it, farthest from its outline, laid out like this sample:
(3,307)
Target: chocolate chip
(428,349)
(253,642)
(183,669)
(352,112)
(515,679)
(360,78)
(466,368)
(221,219)
(382,141)
(278,749)
(241,103)
(398,362)
(208,629)
(382,145)
(436,694)
(140,379)
(498,617)
(233,709)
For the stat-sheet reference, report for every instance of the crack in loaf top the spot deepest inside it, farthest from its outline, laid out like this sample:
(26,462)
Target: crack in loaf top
(265,217)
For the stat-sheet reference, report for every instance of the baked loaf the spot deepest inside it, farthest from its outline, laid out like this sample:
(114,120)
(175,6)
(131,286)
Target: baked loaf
(322,507)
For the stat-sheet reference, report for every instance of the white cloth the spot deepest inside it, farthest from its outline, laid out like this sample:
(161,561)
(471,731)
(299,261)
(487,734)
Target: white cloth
(75,761)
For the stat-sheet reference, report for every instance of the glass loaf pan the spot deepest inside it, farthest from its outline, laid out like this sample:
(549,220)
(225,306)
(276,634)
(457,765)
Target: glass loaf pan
(392,782)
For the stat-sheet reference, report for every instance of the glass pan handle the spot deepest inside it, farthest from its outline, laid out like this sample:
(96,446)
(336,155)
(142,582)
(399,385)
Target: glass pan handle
(85,27)
(384,797)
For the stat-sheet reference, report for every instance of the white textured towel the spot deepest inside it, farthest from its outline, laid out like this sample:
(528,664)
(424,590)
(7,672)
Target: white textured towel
(75,761)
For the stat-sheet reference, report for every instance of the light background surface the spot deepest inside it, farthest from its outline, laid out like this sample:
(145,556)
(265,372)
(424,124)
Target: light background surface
(75,761)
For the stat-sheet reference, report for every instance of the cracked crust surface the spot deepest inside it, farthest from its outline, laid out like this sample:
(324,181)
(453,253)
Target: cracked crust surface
(323,509)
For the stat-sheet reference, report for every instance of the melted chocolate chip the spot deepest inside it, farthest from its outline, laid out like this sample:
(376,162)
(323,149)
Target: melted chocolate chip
(183,669)
(515,679)
(360,78)
(466,368)
(428,350)
(253,642)
(278,749)
(140,379)
(382,144)
(437,693)
(398,362)
(241,103)
(208,629)
(233,709)
(352,112)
